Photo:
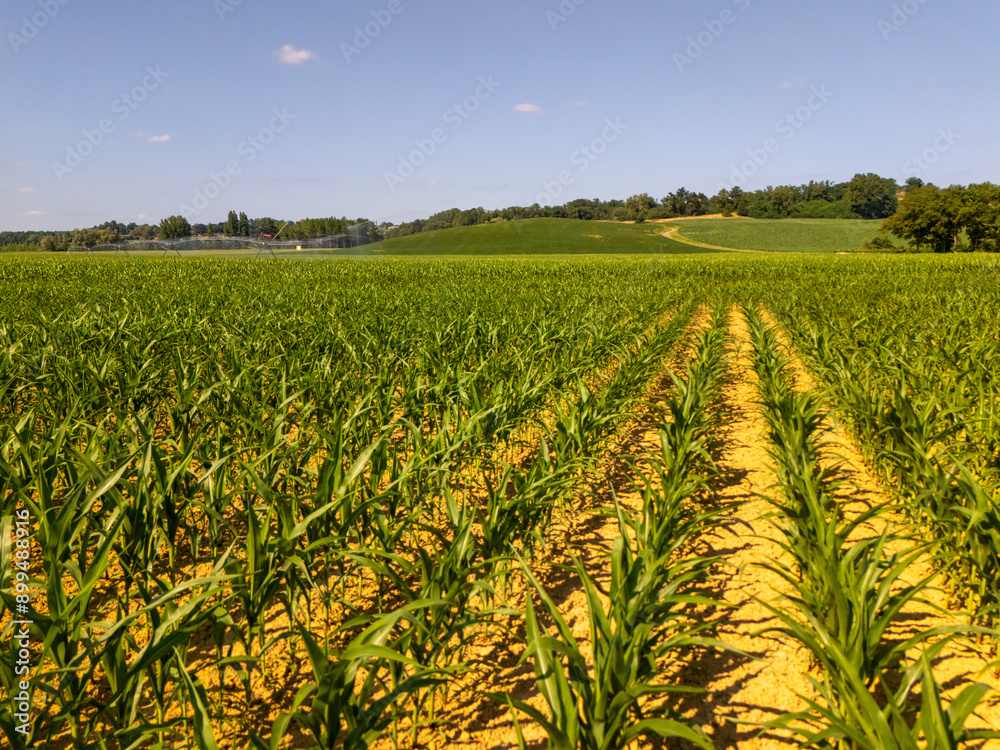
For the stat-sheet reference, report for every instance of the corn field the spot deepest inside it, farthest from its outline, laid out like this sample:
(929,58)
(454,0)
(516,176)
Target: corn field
(478,503)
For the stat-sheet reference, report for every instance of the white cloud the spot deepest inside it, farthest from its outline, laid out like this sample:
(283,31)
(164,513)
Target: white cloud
(579,103)
(531,109)
(152,138)
(25,190)
(789,86)
(34,213)
(292,56)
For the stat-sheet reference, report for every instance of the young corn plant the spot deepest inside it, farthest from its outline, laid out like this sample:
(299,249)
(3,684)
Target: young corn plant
(600,707)
(441,584)
(652,611)
(209,392)
(158,668)
(845,594)
(912,431)
(277,568)
(61,487)
(351,702)
(870,724)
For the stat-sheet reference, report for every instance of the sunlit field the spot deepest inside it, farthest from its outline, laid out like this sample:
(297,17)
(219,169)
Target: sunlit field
(393,502)
(784,235)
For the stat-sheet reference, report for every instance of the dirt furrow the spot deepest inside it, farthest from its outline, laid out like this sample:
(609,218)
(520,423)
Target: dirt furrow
(743,692)
(473,721)
(963,661)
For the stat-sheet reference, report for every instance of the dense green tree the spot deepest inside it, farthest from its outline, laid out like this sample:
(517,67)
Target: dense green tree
(580,209)
(676,201)
(243,229)
(232,225)
(267,225)
(113,228)
(817,191)
(471,218)
(313,228)
(638,207)
(760,204)
(979,216)
(174,228)
(93,237)
(821,209)
(783,199)
(685,203)
(729,202)
(927,219)
(871,196)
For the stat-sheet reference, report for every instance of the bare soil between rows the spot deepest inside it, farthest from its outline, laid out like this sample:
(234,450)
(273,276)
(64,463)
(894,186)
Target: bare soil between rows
(741,692)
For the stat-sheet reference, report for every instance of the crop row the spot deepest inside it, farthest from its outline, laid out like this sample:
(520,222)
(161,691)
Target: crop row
(291,453)
(847,589)
(596,698)
(914,374)
(237,468)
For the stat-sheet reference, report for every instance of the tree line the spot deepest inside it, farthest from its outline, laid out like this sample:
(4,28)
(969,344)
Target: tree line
(928,218)
(953,219)
(866,196)
(237,224)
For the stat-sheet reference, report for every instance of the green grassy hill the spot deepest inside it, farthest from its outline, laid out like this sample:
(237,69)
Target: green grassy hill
(781,235)
(538,237)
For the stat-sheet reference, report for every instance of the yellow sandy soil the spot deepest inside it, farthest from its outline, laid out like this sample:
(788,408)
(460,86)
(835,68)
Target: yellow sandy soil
(741,692)
(963,661)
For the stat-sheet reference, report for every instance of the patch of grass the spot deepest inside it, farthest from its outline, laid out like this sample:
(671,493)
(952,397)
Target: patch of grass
(20,248)
(782,235)
(539,237)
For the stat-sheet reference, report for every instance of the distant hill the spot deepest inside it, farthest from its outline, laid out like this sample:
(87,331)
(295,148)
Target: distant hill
(539,237)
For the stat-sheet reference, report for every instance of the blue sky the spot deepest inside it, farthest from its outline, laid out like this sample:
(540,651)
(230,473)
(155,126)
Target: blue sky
(395,109)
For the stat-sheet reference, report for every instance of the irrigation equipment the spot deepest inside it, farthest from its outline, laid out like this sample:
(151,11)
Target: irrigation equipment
(259,245)
(264,238)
